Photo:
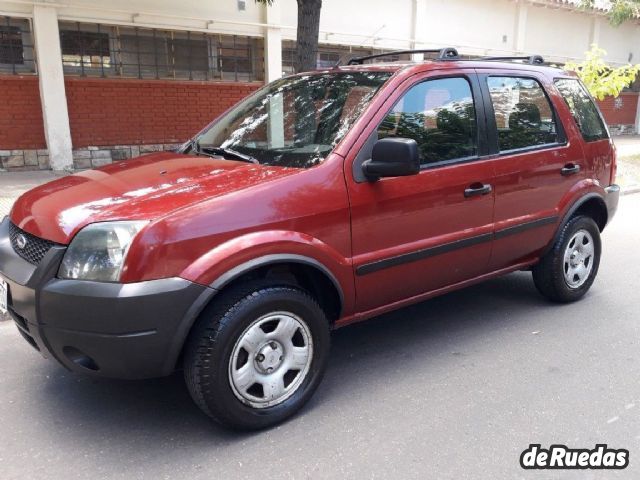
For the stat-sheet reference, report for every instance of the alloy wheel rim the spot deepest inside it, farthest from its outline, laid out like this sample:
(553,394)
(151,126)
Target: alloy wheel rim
(270,359)
(578,259)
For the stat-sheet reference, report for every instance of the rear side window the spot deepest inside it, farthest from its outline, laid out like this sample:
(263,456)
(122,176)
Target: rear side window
(440,116)
(583,109)
(524,116)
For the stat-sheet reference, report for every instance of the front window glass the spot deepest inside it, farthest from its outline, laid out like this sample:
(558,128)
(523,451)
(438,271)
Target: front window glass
(293,122)
(583,109)
(523,113)
(440,116)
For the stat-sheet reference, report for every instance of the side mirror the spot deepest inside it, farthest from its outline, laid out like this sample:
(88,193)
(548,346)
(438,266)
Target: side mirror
(392,157)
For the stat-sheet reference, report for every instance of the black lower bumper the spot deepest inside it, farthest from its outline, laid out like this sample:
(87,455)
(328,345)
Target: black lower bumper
(116,330)
(611,200)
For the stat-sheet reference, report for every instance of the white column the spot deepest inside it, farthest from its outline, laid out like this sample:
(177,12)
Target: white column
(594,35)
(520,27)
(419,28)
(273,71)
(52,92)
(638,116)
(273,43)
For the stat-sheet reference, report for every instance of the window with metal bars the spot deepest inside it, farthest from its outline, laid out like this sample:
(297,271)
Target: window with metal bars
(16,46)
(108,51)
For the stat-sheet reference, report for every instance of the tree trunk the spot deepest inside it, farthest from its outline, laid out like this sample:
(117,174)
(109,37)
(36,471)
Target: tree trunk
(308,32)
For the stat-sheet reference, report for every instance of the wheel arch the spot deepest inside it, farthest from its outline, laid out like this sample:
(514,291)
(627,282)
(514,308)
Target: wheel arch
(281,264)
(291,269)
(592,205)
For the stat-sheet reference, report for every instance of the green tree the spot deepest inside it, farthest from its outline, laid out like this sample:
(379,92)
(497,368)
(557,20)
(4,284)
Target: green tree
(307,34)
(601,79)
(618,11)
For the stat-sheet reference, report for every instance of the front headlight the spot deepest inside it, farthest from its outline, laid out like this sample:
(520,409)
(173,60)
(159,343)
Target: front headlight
(98,251)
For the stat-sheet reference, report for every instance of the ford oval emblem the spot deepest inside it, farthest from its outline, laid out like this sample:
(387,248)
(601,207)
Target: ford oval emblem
(21,241)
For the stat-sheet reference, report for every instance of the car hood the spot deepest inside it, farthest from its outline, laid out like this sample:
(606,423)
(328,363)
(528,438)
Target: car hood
(145,188)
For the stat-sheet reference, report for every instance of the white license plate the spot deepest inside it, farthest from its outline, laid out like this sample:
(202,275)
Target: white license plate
(4,293)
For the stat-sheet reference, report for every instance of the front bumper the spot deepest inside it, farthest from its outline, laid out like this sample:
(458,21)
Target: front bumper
(611,200)
(116,330)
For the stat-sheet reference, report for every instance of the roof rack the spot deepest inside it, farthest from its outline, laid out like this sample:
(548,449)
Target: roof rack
(532,60)
(447,53)
(443,54)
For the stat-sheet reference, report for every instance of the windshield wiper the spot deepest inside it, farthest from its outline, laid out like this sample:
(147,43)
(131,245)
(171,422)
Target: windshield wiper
(224,152)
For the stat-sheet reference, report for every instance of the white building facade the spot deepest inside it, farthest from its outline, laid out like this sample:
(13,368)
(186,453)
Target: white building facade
(87,82)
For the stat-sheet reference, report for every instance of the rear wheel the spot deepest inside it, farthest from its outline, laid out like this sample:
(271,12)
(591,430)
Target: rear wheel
(257,355)
(569,269)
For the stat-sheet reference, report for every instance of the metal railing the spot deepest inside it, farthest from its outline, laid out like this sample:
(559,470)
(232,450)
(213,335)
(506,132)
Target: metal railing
(107,51)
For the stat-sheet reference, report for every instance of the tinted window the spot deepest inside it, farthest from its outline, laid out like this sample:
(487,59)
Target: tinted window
(440,116)
(524,116)
(583,109)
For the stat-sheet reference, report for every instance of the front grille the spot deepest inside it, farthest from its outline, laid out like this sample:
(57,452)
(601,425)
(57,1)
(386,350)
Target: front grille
(34,249)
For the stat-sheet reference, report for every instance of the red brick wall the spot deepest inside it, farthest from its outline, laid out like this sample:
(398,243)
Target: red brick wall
(125,111)
(128,112)
(21,124)
(626,115)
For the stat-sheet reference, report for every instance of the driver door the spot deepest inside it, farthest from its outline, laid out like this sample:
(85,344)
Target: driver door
(417,234)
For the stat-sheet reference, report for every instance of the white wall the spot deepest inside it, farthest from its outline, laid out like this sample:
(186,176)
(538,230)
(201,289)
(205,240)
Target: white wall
(620,42)
(475,26)
(558,33)
(371,23)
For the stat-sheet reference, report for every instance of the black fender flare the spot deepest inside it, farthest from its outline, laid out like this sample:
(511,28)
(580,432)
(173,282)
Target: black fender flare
(227,277)
(572,210)
(214,288)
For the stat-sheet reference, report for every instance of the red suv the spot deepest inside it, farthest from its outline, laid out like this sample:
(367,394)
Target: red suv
(323,199)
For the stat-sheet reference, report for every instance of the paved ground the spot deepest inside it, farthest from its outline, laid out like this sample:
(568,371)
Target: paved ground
(453,388)
(627,145)
(628,175)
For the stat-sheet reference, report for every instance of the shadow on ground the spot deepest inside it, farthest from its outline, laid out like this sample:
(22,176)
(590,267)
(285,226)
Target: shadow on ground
(160,410)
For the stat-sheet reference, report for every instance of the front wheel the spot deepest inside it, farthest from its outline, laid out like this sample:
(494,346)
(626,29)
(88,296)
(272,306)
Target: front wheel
(257,355)
(568,270)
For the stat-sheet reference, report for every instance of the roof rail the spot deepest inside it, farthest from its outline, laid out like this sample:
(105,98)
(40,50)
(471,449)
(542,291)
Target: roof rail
(448,53)
(532,60)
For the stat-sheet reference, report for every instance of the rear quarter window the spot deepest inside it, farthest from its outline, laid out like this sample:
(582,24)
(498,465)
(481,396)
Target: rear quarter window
(584,111)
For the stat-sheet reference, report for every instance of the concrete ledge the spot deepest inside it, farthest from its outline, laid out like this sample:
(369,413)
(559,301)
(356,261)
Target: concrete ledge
(25,160)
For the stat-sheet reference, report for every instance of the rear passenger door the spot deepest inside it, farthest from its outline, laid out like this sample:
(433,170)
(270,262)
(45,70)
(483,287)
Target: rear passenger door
(535,164)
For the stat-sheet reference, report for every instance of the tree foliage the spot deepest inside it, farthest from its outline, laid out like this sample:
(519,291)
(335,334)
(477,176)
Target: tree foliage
(619,11)
(601,79)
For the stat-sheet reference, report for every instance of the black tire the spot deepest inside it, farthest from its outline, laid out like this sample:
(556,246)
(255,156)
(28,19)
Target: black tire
(548,274)
(210,346)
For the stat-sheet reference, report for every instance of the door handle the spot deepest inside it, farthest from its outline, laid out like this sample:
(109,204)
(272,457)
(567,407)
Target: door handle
(570,169)
(477,189)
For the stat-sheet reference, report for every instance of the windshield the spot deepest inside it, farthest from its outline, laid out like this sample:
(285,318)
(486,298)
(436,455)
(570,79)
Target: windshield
(292,122)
